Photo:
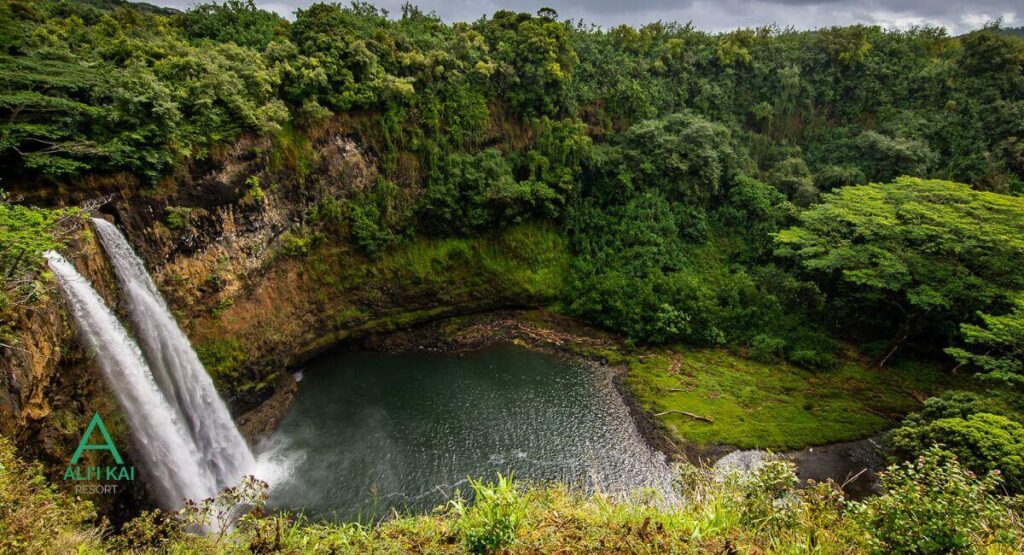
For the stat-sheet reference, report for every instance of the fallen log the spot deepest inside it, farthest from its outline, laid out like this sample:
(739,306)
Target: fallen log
(707,419)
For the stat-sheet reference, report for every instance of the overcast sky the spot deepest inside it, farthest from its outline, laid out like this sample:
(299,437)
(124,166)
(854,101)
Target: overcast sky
(716,15)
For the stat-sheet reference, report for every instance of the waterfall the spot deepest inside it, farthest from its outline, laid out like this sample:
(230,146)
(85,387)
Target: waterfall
(176,367)
(168,456)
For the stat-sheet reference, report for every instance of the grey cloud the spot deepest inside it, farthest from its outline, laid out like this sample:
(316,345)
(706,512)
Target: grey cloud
(716,15)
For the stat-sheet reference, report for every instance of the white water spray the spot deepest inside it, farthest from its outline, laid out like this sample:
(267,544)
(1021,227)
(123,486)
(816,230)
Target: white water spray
(181,376)
(167,454)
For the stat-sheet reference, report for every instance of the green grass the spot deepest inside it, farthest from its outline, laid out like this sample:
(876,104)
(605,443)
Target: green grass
(525,260)
(526,263)
(763,512)
(776,406)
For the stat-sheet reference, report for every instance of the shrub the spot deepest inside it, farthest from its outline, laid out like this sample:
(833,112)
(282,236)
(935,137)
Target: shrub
(34,516)
(254,191)
(151,530)
(683,156)
(886,157)
(754,211)
(792,177)
(983,442)
(296,243)
(25,233)
(378,218)
(476,192)
(328,214)
(491,522)
(951,404)
(223,358)
(811,349)
(767,348)
(834,177)
(812,360)
(764,492)
(178,217)
(935,505)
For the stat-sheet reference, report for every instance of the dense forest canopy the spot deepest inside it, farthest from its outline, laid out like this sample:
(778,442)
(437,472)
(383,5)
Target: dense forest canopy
(677,160)
(98,86)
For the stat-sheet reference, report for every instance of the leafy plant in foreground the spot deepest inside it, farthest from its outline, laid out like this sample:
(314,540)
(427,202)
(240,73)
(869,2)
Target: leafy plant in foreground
(491,522)
(934,505)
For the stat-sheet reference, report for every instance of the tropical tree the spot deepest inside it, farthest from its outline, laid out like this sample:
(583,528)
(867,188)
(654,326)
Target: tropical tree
(995,346)
(923,254)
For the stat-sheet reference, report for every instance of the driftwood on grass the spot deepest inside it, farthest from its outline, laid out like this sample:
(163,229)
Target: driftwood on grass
(707,419)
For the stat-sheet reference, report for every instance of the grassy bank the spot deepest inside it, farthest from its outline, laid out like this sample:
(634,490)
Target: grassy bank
(763,512)
(776,405)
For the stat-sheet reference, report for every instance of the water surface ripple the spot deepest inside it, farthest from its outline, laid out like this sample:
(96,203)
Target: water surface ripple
(373,431)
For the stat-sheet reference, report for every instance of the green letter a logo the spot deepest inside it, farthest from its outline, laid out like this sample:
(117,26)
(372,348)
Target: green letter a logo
(108,444)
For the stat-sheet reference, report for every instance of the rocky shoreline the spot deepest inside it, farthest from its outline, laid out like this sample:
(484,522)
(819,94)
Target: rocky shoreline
(260,422)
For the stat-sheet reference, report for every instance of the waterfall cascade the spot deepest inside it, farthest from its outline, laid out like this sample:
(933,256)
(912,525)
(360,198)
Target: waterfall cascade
(169,457)
(175,365)
(182,431)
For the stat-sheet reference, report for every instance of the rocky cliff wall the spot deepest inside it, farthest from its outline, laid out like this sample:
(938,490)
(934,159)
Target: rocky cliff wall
(256,284)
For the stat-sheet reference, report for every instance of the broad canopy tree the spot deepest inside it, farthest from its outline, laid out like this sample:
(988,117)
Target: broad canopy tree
(923,254)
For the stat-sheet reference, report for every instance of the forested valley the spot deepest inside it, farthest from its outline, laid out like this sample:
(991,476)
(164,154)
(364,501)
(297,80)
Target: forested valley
(842,205)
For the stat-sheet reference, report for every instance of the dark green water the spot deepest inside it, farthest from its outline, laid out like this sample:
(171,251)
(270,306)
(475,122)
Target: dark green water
(373,431)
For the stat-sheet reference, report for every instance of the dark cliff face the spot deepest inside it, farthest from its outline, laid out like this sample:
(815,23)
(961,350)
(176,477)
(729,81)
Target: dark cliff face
(211,235)
(220,218)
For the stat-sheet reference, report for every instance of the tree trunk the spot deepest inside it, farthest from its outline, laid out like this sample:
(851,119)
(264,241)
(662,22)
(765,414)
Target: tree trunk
(17,262)
(894,344)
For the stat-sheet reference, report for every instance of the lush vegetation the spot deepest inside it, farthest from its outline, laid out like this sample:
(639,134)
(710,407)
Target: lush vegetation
(774,405)
(34,516)
(912,255)
(674,159)
(929,505)
(787,196)
(981,430)
(25,233)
